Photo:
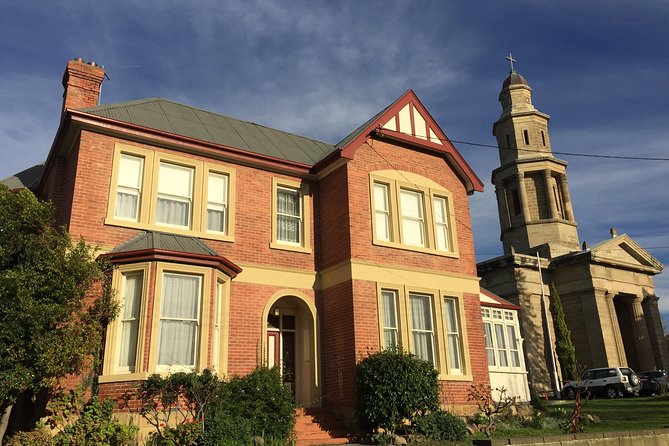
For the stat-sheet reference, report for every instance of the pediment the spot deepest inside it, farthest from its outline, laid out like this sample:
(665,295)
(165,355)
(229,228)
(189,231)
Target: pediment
(622,249)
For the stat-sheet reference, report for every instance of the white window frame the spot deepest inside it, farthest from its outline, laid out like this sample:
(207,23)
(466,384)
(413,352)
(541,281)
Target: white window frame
(382,215)
(430,332)
(294,218)
(127,189)
(453,333)
(503,323)
(409,221)
(134,319)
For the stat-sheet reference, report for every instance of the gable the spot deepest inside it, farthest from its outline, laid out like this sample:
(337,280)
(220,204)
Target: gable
(624,250)
(410,121)
(407,121)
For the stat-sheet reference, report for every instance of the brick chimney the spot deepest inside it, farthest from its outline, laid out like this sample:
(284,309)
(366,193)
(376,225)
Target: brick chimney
(81,82)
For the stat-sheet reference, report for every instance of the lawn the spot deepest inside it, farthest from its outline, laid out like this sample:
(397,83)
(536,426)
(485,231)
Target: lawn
(621,414)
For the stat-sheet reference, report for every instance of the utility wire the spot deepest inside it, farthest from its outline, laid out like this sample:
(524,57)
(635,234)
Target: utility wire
(584,155)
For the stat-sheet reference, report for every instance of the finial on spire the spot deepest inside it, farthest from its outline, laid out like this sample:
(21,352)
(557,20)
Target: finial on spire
(511,61)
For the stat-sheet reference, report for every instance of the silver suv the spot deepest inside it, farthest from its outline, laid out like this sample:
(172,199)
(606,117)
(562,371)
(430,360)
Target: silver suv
(610,382)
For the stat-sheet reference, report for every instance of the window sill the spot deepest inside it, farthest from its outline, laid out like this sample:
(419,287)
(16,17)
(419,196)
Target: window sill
(287,247)
(451,254)
(168,229)
(444,377)
(121,377)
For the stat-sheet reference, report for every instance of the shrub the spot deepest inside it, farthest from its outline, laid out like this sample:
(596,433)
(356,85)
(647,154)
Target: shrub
(173,405)
(96,427)
(393,386)
(37,437)
(441,426)
(257,404)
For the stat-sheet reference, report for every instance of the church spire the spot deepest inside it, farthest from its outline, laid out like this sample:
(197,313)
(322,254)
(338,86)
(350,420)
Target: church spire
(531,184)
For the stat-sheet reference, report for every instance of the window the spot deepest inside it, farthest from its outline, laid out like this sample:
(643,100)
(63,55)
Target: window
(429,326)
(175,193)
(453,333)
(129,320)
(508,142)
(129,190)
(543,138)
(290,216)
(382,212)
(179,321)
(442,233)
(413,221)
(390,327)
(179,325)
(412,212)
(163,192)
(422,329)
(502,341)
(526,136)
(217,202)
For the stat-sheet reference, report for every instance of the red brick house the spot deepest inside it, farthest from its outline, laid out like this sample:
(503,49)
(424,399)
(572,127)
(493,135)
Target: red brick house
(238,245)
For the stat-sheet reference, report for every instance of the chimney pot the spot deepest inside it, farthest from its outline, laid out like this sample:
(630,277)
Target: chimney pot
(78,59)
(93,64)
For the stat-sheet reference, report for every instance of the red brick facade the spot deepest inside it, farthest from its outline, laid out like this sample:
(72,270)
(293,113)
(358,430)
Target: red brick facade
(330,285)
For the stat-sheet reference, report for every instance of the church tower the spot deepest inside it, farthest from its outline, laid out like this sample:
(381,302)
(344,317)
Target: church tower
(535,210)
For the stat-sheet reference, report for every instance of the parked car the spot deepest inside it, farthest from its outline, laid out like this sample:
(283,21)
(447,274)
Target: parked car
(654,382)
(610,382)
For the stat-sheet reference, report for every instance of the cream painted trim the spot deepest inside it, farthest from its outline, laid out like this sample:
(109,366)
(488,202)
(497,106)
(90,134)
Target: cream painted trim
(303,189)
(122,377)
(203,328)
(224,281)
(149,194)
(374,272)
(113,329)
(277,276)
(437,296)
(398,180)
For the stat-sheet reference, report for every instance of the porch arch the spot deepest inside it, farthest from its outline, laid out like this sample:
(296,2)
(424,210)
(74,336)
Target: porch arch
(307,385)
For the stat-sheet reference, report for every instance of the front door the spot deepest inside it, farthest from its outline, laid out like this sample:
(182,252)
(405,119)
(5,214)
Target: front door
(281,332)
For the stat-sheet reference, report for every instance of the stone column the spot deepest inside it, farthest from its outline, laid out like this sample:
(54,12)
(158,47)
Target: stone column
(552,206)
(566,205)
(615,330)
(523,197)
(502,208)
(641,338)
(654,324)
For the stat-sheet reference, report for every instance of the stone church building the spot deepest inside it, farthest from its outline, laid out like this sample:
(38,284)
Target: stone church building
(606,290)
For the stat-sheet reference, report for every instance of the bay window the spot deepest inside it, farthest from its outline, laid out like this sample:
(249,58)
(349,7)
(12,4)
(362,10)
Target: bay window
(131,301)
(500,328)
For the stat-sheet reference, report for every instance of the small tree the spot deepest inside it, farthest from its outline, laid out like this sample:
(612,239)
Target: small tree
(48,329)
(394,386)
(563,345)
(490,406)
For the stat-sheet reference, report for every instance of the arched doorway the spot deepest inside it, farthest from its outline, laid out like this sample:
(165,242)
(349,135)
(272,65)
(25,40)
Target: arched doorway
(290,343)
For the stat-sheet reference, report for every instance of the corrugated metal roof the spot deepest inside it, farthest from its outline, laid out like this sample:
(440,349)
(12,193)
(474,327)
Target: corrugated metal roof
(25,179)
(179,119)
(169,242)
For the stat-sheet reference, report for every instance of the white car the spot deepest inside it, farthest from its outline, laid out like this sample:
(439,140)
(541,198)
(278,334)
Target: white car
(610,382)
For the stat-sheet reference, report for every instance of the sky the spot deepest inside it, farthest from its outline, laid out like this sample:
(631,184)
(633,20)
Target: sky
(320,68)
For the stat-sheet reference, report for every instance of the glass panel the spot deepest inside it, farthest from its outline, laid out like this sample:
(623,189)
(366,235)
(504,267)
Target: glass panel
(173,212)
(453,331)
(413,227)
(421,325)
(175,180)
(490,349)
(289,216)
(501,345)
(513,345)
(441,224)
(390,329)
(179,319)
(129,187)
(381,211)
(129,318)
(217,201)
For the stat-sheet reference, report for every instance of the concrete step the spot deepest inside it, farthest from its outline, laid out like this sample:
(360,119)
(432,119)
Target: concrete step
(318,426)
